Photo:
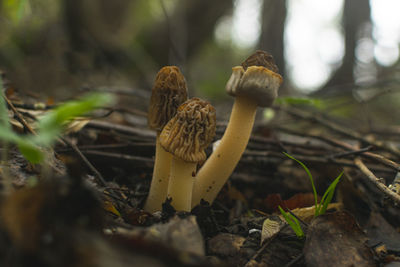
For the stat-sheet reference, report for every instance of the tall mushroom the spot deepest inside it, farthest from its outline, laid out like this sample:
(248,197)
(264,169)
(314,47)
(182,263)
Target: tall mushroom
(253,84)
(186,136)
(169,91)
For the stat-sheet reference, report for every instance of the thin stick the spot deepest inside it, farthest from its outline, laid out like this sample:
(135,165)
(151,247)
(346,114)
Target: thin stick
(340,129)
(86,161)
(352,152)
(30,130)
(263,247)
(118,156)
(344,145)
(19,116)
(364,169)
(132,131)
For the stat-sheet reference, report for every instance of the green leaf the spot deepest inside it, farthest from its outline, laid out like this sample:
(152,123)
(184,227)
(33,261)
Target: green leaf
(299,101)
(30,151)
(293,223)
(311,179)
(299,232)
(329,194)
(8,135)
(51,125)
(16,9)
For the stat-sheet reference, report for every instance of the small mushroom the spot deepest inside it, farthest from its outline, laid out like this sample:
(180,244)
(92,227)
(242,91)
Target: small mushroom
(168,93)
(186,136)
(253,84)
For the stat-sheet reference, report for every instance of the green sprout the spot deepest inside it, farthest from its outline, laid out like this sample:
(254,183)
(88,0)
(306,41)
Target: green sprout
(50,126)
(293,222)
(320,208)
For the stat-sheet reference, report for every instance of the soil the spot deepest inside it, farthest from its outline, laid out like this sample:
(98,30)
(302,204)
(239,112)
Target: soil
(83,206)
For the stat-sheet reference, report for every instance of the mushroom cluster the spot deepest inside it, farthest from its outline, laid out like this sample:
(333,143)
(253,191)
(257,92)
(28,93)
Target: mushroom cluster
(185,132)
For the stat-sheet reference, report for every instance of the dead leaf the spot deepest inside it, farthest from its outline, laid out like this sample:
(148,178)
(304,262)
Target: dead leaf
(307,214)
(300,200)
(380,231)
(225,244)
(76,125)
(335,239)
(269,229)
(183,235)
(108,206)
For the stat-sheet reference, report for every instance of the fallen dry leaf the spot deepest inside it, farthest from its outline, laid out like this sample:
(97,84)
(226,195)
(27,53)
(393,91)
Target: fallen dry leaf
(269,229)
(225,244)
(335,239)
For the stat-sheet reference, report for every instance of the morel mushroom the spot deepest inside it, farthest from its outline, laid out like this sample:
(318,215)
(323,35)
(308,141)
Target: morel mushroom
(253,84)
(186,136)
(168,93)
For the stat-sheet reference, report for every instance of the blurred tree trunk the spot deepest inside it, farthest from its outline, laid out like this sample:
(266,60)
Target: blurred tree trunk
(356,14)
(98,32)
(165,41)
(272,31)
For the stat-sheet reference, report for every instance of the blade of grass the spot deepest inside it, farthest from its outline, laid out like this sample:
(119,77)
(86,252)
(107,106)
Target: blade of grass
(293,222)
(327,197)
(311,179)
(299,232)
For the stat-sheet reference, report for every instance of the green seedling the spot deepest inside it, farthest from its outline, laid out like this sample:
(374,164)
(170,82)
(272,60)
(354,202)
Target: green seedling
(293,222)
(320,208)
(50,126)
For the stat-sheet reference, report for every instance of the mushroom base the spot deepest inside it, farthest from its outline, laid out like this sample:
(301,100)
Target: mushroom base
(181,184)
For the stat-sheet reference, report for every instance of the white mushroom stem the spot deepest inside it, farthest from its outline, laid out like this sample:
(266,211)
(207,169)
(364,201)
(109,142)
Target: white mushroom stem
(181,183)
(159,182)
(219,166)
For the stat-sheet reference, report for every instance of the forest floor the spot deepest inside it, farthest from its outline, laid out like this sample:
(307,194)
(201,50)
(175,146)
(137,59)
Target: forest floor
(83,207)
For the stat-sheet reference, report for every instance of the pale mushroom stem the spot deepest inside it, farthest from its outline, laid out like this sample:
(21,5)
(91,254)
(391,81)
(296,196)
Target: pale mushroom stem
(159,182)
(181,183)
(219,166)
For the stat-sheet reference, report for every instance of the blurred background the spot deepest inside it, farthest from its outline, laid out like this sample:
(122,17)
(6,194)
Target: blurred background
(340,49)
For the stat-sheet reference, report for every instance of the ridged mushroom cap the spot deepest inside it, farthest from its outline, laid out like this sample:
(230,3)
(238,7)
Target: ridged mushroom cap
(257,79)
(191,130)
(169,91)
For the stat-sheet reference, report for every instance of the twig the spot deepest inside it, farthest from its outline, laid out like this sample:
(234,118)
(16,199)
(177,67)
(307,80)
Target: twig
(316,159)
(348,153)
(118,156)
(340,129)
(86,161)
(261,249)
(347,146)
(103,125)
(383,160)
(19,116)
(381,186)
(110,146)
(295,260)
(28,128)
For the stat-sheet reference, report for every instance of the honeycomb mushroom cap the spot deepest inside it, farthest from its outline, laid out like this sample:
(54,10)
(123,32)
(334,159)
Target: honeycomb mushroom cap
(256,79)
(261,58)
(169,91)
(191,130)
